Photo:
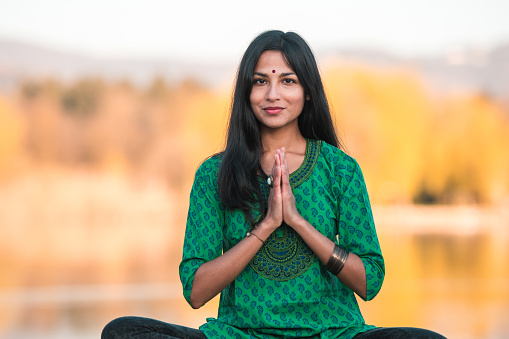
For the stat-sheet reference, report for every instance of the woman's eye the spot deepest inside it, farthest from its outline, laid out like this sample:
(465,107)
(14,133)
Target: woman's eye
(289,81)
(259,81)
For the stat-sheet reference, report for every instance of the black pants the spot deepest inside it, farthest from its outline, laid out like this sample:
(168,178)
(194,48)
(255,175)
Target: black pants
(145,328)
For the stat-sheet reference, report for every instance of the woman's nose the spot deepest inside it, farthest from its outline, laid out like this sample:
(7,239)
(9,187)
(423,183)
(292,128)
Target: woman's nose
(273,93)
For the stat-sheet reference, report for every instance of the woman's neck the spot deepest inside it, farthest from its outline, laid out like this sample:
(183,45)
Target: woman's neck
(291,140)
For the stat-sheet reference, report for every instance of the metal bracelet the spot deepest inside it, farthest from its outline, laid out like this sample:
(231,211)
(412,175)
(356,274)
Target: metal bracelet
(337,260)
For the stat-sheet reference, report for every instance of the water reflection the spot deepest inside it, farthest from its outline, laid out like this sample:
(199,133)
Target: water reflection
(450,255)
(466,279)
(448,280)
(454,282)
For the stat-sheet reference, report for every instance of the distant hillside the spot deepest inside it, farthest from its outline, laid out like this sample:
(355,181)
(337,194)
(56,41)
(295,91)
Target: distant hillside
(20,61)
(485,71)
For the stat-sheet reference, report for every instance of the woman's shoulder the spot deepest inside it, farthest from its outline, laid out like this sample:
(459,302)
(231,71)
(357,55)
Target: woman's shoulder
(337,158)
(210,166)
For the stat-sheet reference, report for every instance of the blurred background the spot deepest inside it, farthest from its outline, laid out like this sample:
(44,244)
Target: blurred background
(108,107)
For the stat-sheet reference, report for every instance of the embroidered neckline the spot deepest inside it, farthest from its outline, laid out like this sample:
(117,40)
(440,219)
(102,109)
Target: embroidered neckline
(302,173)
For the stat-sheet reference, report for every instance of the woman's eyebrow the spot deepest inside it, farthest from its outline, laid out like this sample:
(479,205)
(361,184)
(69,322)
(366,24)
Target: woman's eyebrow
(282,75)
(286,74)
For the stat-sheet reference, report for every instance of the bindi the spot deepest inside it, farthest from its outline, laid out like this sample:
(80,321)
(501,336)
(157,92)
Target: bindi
(273,71)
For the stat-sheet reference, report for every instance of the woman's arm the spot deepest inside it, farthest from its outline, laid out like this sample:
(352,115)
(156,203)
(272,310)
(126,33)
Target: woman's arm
(215,275)
(353,273)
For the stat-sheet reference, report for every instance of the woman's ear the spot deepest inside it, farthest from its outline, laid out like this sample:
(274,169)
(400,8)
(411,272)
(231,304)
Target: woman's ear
(308,97)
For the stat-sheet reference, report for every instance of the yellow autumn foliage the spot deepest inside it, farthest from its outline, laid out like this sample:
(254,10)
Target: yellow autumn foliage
(384,118)
(468,151)
(11,138)
(412,147)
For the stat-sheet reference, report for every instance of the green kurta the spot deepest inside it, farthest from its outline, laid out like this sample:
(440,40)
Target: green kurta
(285,291)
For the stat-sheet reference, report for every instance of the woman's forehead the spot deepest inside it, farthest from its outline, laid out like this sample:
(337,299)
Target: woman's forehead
(272,62)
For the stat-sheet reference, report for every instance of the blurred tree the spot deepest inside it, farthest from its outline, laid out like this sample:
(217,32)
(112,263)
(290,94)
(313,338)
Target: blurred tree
(384,119)
(411,147)
(469,158)
(42,119)
(83,98)
(11,135)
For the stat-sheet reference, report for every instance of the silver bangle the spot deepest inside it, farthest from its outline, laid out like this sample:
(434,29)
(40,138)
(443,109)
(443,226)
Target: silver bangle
(337,260)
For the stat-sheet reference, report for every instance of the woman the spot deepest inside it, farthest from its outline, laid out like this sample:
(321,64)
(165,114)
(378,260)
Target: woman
(280,222)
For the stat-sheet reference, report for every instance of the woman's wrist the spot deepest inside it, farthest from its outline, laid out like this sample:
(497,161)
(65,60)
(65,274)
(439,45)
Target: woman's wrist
(298,222)
(265,228)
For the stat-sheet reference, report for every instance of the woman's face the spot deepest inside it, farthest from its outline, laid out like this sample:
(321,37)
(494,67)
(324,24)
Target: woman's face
(277,97)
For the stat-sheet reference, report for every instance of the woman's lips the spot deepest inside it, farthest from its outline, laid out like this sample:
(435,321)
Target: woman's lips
(273,110)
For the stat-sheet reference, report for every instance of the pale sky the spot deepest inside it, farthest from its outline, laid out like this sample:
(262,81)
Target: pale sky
(222,29)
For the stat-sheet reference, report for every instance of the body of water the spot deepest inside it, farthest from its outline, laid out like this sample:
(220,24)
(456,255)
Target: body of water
(447,269)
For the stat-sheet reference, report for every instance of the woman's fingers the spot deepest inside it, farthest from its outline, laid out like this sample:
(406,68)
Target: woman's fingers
(285,180)
(277,175)
(274,167)
(290,213)
(286,164)
(275,203)
(275,172)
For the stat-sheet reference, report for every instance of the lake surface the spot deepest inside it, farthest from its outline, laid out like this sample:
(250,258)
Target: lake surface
(447,269)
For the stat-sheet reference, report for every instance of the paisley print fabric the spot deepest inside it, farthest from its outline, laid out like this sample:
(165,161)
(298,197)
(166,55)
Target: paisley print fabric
(285,291)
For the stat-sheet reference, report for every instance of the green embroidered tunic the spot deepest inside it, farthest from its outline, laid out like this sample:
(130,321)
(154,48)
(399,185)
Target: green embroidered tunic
(285,291)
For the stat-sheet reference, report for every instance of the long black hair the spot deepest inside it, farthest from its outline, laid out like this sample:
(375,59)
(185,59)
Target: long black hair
(238,174)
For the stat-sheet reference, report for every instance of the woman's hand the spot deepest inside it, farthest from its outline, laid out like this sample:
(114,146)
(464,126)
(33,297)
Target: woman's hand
(274,217)
(290,214)
(281,203)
